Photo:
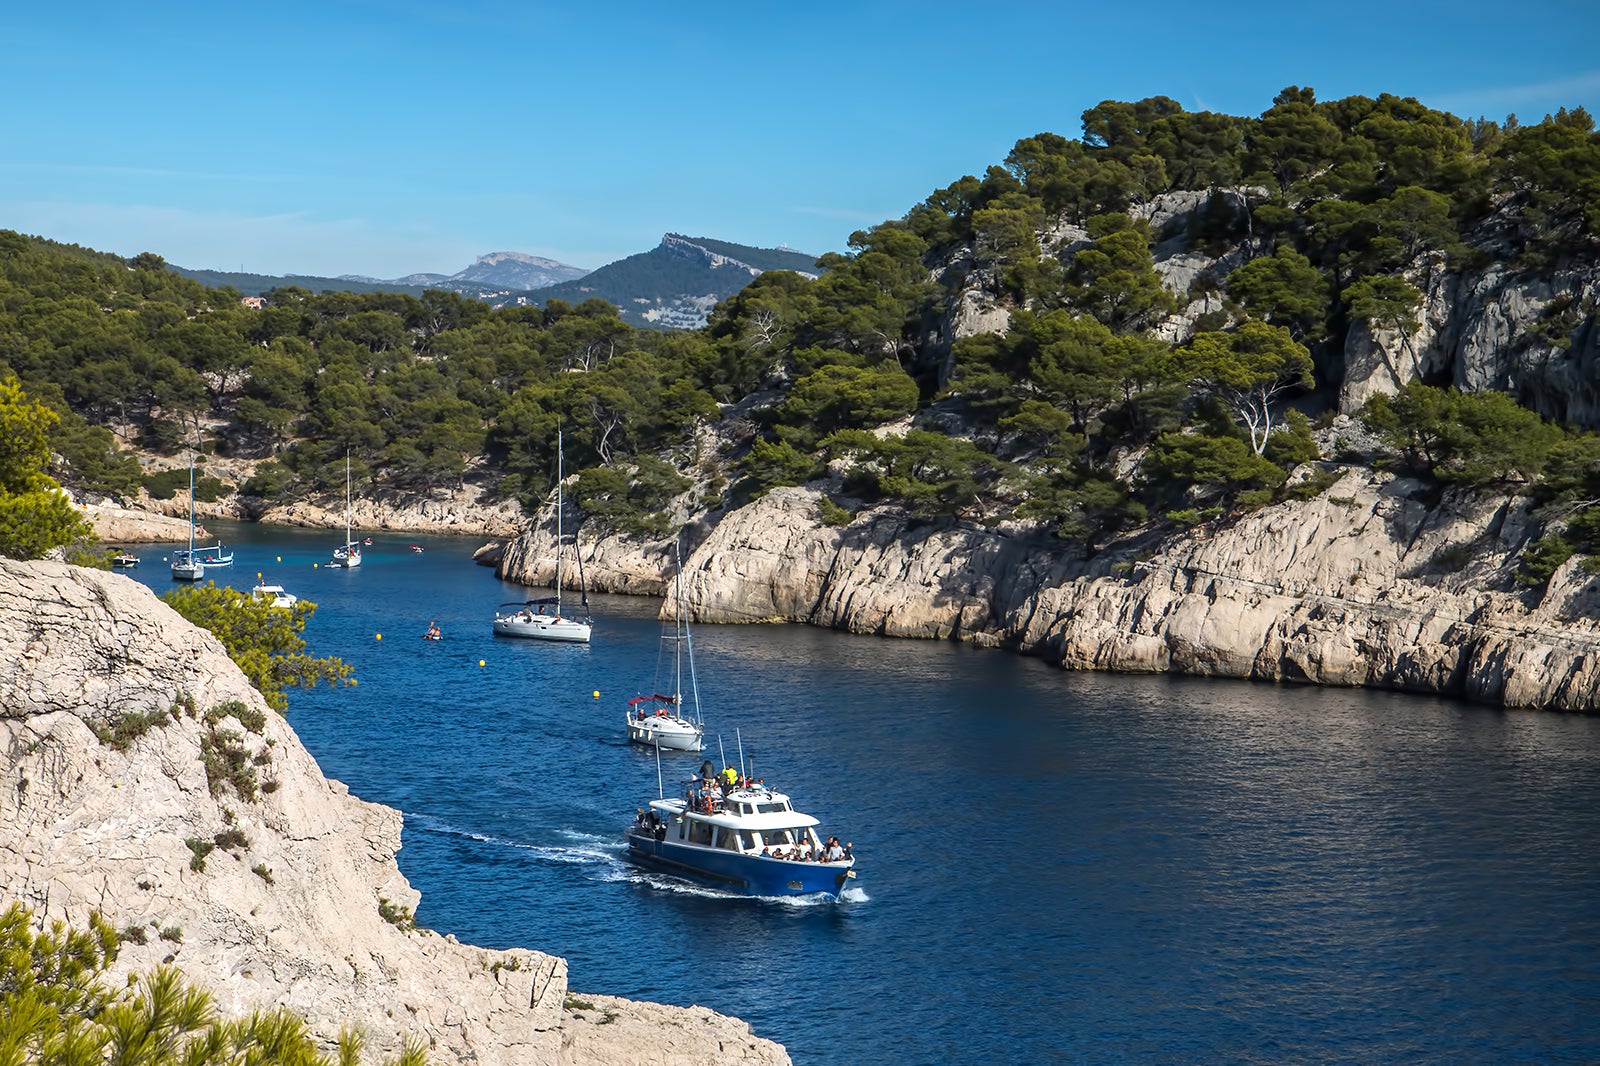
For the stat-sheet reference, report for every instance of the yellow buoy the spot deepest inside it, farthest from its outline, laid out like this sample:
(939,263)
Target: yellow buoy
(280,558)
(596,693)
(380,636)
(480,662)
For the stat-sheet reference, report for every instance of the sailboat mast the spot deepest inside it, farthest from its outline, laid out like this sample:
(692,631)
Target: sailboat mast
(191,508)
(559,460)
(677,641)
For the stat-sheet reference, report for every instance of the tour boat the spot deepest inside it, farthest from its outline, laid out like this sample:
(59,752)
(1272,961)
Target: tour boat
(191,563)
(744,839)
(274,594)
(348,554)
(658,720)
(542,619)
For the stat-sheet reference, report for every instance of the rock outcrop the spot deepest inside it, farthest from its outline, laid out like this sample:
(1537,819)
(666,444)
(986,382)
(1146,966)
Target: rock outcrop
(110,706)
(1371,583)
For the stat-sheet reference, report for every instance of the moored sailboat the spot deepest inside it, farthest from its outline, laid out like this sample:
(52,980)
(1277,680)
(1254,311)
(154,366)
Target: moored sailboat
(191,563)
(659,720)
(541,619)
(348,554)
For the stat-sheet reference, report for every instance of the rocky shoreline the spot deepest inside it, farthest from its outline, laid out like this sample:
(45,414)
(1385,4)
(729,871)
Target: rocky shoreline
(1370,584)
(109,702)
(145,519)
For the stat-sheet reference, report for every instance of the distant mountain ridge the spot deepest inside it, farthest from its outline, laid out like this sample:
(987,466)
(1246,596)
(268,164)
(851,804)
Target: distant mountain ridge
(497,270)
(674,285)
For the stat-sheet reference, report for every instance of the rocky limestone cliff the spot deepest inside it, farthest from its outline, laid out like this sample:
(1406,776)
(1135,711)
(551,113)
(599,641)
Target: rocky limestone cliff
(1491,328)
(1371,583)
(291,911)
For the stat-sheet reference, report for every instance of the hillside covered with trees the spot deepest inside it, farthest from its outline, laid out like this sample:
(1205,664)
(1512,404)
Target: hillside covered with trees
(1115,398)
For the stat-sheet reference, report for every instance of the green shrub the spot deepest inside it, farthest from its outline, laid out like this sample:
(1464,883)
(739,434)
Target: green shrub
(1543,558)
(270,481)
(128,727)
(253,720)
(229,839)
(227,762)
(833,514)
(396,915)
(201,849)
(168,483)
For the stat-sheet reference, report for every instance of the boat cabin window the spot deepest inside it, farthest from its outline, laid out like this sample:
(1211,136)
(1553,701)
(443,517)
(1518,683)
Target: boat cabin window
(736,839)
(771,808)
(699,832)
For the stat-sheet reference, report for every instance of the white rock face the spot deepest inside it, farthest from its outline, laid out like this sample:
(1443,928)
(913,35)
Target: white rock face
(1361,586)
(115,524)
(1485,330)
(290,916)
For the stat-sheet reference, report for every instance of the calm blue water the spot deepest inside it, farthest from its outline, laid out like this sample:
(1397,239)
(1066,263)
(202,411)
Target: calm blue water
(1054,867)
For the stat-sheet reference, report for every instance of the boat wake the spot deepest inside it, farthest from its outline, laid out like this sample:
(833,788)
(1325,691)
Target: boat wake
(607,860)
(667,883)
(582,849)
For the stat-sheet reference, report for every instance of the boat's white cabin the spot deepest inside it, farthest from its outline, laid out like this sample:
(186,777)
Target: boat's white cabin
(747,821)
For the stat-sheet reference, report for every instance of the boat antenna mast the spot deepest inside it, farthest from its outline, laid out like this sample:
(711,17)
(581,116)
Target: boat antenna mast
(688,642)
(558,520)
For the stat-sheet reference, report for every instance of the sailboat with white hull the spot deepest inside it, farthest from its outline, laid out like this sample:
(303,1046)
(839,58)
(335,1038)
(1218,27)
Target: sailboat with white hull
(659,720)
(542,619)
(191,563)
(348,554)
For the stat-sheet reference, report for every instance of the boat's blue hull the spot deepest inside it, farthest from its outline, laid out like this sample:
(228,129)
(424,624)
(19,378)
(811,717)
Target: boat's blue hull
(749,874)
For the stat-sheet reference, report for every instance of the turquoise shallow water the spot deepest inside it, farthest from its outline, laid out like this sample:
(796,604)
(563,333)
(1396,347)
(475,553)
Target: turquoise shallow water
(1054,867)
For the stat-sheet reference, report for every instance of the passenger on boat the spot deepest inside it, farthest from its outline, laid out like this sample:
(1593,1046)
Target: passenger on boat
(834,853)
(639,820)
(847,852)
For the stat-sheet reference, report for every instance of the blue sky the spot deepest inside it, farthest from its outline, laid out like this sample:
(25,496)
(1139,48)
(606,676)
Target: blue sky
(383,139)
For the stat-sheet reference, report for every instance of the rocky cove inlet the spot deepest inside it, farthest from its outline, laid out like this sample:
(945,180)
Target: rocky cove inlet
(1054,866)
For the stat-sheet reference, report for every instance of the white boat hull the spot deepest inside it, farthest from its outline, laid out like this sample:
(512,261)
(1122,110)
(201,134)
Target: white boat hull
(665,731)
(543,627)
(275,595)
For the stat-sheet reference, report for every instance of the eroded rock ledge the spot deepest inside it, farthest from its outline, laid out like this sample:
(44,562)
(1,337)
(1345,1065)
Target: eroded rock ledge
(1371,584)
(292,914)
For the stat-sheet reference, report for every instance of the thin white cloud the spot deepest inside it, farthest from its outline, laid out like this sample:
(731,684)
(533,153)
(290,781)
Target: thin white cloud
(846,214)
(1497,102)
(275,244)
(103,170)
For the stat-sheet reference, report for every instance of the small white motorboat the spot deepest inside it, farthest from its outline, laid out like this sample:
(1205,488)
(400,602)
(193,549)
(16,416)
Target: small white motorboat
(275,595)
